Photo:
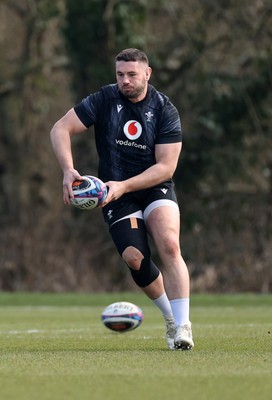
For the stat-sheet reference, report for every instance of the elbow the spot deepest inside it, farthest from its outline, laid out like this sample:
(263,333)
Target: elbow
(54,130)
(58,129)
(166,175)
(54,135)
(168,172)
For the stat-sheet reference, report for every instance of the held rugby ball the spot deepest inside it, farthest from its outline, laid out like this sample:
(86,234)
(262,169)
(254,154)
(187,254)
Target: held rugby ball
(88,193)
(122,316)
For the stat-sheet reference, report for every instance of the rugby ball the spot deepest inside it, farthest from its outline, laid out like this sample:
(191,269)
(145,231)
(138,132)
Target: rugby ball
(122,316)
(88,193)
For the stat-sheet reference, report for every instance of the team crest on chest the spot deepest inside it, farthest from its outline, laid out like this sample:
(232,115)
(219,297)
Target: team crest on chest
(149,116)
(133,129)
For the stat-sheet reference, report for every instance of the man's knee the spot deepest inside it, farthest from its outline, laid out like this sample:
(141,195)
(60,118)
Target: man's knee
(171,246)
(142,268)
(133,257)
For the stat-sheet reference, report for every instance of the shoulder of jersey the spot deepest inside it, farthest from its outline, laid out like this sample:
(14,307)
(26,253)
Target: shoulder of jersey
(110,90)
(156,99)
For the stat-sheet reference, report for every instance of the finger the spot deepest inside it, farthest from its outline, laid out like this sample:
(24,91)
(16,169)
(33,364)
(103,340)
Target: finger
(106,201)
(66,199)
(67,194)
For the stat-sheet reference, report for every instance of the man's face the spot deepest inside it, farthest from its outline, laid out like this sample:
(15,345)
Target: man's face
(132,79)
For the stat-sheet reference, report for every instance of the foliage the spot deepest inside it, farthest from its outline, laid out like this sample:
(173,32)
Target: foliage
(93,31)
(214,62)
(218,70)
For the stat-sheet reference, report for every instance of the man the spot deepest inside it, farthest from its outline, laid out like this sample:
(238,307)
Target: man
(138,140)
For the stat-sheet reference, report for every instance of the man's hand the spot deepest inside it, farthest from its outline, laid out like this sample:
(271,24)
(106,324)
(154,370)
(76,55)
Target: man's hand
(116,189)
(69,177)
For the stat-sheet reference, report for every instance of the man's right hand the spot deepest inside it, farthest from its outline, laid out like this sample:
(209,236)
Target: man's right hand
(69,177)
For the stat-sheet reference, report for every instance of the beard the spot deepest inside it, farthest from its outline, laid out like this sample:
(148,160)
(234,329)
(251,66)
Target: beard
(134,93)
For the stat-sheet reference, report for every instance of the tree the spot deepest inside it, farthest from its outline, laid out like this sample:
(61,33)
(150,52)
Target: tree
(219,71)
(214,62)
(29,76)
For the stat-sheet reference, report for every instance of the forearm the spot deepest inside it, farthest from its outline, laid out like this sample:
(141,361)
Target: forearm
(166,163)
(167,156)
(154,175)
(61,143)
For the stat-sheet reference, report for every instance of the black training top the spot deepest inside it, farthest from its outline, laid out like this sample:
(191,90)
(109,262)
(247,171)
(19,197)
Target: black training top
(126,133)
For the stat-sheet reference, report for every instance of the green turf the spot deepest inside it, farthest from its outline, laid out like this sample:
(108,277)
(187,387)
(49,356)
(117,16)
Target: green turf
(55,347)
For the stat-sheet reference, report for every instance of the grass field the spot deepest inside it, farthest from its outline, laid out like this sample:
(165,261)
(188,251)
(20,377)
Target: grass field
(55,347)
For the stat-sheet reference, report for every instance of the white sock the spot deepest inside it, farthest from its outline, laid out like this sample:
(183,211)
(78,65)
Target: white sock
(163,304)
(180,309)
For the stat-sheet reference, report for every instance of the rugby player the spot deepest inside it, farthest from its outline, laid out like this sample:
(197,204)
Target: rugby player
(138,141)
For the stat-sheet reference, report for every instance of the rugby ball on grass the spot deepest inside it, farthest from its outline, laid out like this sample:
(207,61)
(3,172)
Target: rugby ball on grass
(88,193)
(122,316)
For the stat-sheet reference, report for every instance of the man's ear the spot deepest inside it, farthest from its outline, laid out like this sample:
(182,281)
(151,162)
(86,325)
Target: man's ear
(148,73)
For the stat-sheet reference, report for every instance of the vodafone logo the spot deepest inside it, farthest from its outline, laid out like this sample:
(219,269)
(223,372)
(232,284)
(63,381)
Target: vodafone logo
(133,129)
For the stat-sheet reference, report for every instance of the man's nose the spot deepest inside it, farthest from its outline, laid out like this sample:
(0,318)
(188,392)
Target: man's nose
(126,79)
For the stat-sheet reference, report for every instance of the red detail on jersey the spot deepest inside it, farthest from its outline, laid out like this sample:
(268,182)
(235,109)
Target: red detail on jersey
(132,129)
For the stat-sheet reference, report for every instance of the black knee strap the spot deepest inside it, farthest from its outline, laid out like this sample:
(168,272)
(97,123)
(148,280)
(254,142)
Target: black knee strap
(146,274)
(124,234)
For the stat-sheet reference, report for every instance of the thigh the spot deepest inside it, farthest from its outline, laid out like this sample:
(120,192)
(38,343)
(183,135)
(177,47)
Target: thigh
(163,225)
(130,232)
(161,212)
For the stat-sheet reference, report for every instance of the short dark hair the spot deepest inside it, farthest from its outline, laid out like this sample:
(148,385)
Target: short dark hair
(132,55)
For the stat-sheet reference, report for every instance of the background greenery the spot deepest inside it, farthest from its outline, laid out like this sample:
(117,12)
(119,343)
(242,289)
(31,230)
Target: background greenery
(214,61)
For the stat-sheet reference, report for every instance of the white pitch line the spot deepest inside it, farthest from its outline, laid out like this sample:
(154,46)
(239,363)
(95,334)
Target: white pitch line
(33,331)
